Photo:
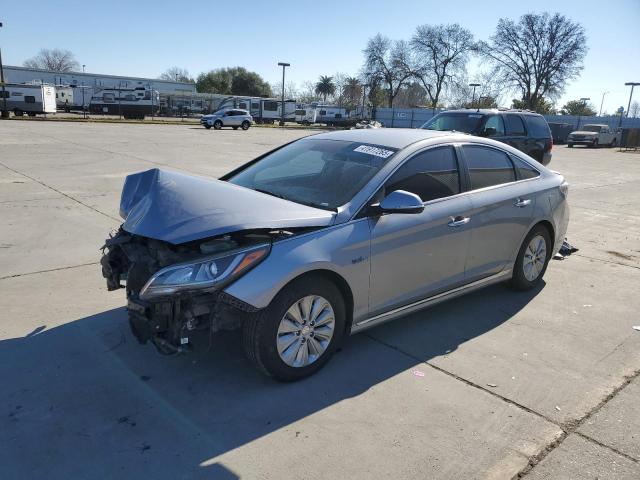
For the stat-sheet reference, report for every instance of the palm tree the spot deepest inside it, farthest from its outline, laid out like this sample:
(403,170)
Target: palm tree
(352,91)
(325,86)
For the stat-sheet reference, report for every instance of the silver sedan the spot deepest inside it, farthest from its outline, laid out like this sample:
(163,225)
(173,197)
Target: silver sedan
(327,236)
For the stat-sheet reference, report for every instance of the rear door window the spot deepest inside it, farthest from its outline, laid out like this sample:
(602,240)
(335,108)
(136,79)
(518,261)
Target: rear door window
(488,166)
(494,126)
(524,169)
(515,125)
(538,126)
(431,175)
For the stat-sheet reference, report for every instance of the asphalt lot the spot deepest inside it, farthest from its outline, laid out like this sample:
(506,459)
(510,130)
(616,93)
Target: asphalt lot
(492,385)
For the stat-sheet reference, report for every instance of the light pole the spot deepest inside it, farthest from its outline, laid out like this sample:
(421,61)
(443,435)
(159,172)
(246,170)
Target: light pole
(84,111)
(5,112)
(602,102)
(283,65)
(473,97)
(584,103)
(632,84)
(364,98)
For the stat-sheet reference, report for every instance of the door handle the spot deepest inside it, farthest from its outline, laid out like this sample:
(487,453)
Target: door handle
(458,221)
(522,202)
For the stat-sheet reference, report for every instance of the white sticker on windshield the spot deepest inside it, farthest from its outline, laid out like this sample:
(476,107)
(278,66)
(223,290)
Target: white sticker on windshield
(378,152)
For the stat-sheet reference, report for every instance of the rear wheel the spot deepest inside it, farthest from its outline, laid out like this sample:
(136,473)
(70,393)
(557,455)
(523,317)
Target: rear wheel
(298,332)
(17,112)
(217,124)
(245,125)
(532,260)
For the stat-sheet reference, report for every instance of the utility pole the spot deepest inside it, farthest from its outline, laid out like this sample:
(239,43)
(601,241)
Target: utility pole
(584,101)
(84,110)
(283,65)
(473,97)
(5,112)
(602,102)
(632,84)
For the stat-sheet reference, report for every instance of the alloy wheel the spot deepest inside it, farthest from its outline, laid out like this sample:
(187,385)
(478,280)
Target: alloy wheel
(535,257)
(305,331)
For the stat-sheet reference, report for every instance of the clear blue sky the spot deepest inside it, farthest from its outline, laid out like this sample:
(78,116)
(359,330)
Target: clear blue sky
(143,38)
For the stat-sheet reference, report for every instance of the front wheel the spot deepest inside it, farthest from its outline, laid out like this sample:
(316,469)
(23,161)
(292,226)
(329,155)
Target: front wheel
(532,260)
(594,144)
(245,125)
(298,332)
(217,124)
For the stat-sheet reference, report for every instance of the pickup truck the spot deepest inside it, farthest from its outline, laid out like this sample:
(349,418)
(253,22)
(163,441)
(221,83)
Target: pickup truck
(594,135)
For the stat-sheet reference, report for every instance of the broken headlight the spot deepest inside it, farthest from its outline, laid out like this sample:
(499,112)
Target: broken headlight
(203,274)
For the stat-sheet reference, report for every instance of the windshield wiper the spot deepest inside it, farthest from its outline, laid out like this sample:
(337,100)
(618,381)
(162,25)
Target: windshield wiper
(273,194)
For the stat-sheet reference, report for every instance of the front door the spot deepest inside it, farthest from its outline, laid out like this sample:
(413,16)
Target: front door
(414,256)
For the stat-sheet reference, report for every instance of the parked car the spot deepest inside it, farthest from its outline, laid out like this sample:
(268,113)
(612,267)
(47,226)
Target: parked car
(594,135)
(327,236)
(233,117)
(526,131)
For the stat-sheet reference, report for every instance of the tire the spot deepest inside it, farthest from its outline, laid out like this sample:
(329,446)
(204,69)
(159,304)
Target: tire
(594,144)
(260,332)
(31,114)
(245,125)
(208,127)
(570,145)
(18,113)
(217,124)
(526,278)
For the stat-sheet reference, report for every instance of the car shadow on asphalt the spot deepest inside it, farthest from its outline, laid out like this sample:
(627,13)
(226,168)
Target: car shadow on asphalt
(85,397)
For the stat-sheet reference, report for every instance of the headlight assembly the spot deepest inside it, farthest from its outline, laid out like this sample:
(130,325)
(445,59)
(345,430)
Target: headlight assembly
(206,273)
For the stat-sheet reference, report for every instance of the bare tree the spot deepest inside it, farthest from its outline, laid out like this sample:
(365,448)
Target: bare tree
(55,60)
(177,74)
(538,55)
(387,62)
(441,54)
(307,93)
(488,95)
(290,90)
(634,110)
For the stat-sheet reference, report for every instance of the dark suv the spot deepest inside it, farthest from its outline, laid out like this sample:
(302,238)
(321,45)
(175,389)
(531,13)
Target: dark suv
(526,131)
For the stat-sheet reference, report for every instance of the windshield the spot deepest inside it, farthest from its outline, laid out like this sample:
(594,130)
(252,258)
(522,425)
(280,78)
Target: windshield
(320,173)
(460,122)
(591,128)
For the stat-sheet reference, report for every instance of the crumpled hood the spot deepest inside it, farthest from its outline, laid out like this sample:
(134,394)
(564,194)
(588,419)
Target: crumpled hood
(585,133)
(179,208)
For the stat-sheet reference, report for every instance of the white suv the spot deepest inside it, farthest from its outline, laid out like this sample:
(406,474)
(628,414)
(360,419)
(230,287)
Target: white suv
(234,118)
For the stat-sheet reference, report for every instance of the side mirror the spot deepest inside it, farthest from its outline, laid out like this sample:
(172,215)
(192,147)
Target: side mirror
(401,201)
(489,132)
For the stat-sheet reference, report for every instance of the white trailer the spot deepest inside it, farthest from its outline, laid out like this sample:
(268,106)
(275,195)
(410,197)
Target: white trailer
(263,110)
(328,114)
(30,99)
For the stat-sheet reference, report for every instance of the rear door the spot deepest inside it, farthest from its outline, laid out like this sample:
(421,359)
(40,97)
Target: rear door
(414,256)
(501,210)
(516,134)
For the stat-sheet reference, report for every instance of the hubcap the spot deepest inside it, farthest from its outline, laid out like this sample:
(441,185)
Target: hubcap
(305,331)
(534,258)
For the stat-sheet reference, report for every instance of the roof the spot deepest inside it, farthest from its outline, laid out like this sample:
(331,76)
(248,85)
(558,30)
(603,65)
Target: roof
(389,137)
(490,110)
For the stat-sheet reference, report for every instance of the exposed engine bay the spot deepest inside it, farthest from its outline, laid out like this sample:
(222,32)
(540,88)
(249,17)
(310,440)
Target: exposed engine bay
(168,320)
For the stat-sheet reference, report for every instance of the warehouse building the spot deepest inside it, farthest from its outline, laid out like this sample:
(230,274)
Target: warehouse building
(33,75)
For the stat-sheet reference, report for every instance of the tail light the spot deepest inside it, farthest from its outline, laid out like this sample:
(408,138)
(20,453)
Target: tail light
(564,188)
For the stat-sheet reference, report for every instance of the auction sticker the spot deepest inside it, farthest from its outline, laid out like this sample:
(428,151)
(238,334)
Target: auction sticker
(378,152)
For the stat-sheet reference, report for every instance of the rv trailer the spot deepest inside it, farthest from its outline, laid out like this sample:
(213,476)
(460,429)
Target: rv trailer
(131,103)
(330,115)
(263,110)
(29,99)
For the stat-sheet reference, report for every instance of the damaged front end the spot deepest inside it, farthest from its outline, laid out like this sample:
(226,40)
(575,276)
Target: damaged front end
(175,290)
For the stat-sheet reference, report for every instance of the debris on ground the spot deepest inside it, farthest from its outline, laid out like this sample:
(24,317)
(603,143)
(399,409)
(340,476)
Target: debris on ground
(492,385)
(418,373)
(565,250)
(557,408)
